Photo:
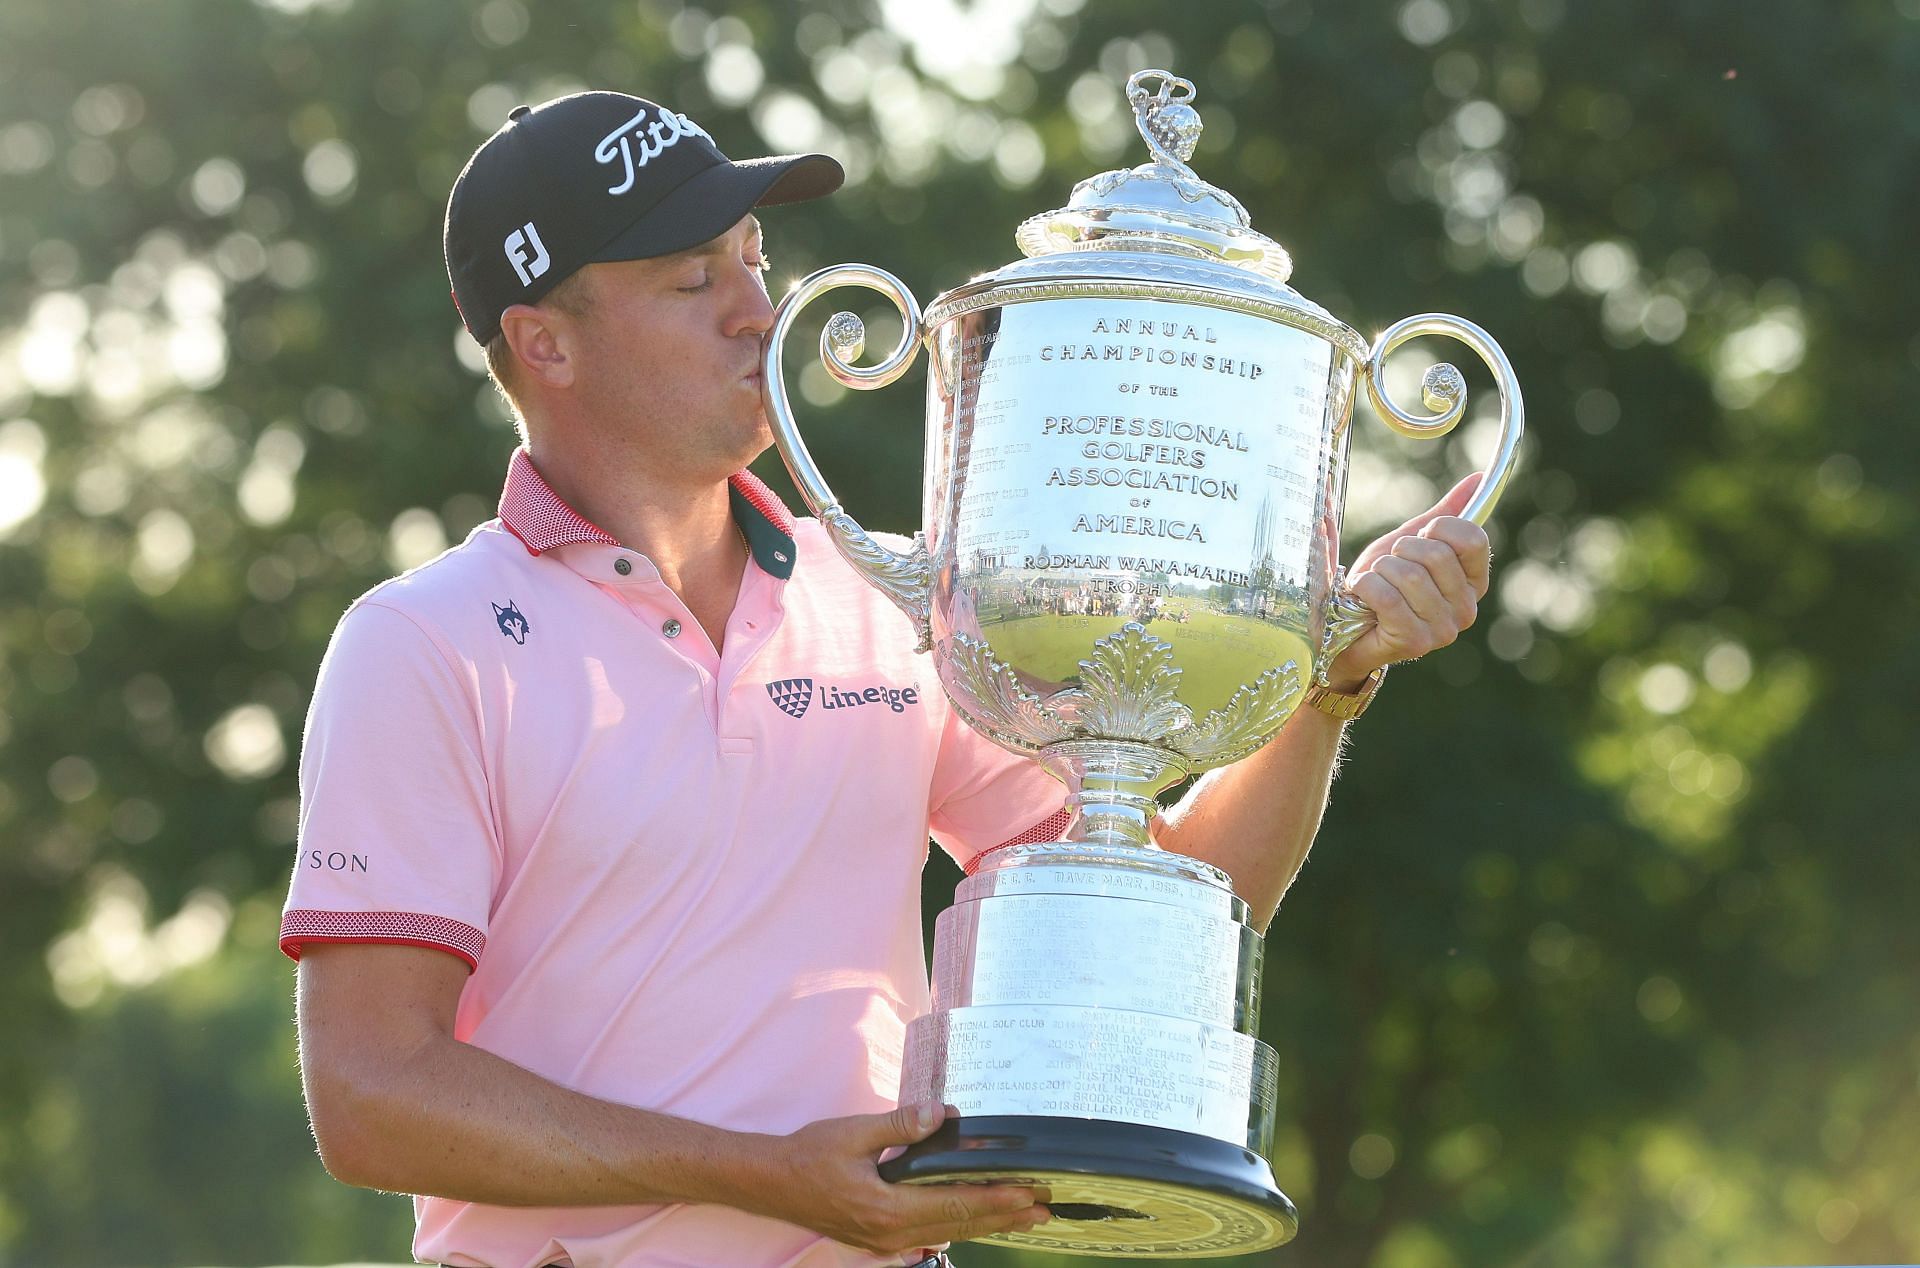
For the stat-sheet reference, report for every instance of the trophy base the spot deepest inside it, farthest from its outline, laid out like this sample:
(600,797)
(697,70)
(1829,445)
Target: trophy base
(1118,1189)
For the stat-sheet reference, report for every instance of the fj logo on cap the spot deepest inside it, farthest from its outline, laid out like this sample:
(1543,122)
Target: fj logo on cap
(527,253)
(663,132)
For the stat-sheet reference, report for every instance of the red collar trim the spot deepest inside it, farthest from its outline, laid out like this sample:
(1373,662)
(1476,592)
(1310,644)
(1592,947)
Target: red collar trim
(538,516)
(541,518)
(763,500)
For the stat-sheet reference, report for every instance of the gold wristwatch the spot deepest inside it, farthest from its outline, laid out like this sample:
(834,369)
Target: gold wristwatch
(1343,704)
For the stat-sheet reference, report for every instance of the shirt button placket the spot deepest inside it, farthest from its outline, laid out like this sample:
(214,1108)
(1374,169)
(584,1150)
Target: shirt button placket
(671,628)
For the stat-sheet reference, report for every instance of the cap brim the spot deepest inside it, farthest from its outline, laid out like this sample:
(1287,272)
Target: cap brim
(714,201)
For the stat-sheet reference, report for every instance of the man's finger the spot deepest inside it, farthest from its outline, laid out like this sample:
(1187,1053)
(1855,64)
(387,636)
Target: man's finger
(1390,608)
(1416,587)
(957,1203)
(1017,1221)
(1451,505)
(961,1218)
(1469,541)
(1448,572)
(960,1212)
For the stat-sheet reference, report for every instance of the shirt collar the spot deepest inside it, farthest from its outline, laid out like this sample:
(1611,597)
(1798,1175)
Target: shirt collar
(542,520)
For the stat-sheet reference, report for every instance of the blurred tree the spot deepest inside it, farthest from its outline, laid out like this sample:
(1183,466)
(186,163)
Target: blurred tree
(1606,953)
(170,1136)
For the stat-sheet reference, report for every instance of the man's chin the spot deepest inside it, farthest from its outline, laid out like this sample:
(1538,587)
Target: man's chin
(758,440)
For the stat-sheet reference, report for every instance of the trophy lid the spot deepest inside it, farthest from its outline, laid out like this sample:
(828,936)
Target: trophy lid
(1162,206)
(1154,228)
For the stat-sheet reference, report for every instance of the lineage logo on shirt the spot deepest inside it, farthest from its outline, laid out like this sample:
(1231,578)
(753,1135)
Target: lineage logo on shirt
(795,696)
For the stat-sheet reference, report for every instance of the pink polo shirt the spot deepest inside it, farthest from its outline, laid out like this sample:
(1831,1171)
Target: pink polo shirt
(684,880)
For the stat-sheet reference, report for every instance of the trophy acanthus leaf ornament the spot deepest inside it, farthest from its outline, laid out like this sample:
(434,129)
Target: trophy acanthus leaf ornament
(1129,688)
(1245,722)
(1015,714)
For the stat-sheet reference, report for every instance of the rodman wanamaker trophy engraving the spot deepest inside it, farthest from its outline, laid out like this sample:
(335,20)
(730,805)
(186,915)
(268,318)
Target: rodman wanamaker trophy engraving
(1129,569)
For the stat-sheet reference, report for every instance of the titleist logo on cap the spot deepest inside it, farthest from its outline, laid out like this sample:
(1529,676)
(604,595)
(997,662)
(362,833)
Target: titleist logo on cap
(660,134)
(606,177)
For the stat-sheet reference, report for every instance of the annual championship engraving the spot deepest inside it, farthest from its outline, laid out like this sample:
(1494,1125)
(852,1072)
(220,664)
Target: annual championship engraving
(1128,569)
(1162,457)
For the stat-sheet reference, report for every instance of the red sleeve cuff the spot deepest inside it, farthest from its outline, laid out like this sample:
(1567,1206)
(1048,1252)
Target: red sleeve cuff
(303,924)
(1048,829)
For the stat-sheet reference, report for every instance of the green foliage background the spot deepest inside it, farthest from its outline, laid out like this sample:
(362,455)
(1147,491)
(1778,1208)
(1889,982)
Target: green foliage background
(1607,952)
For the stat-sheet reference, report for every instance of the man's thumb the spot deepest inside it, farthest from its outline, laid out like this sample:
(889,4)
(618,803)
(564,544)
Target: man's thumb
(907,1124)
(1455,500)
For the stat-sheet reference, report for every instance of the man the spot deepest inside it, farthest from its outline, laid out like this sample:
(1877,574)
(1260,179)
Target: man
(617,966)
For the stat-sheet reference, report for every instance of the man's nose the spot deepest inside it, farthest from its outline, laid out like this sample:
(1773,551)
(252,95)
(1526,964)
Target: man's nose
(753,310)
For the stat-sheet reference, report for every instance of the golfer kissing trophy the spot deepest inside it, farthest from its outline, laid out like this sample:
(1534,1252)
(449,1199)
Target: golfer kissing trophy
(1128,570)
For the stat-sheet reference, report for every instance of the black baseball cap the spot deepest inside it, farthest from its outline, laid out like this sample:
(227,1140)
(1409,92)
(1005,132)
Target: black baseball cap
(593,177)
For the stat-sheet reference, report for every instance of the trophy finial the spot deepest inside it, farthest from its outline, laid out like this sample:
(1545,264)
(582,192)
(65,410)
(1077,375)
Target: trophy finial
(1162,207)
(1170,126)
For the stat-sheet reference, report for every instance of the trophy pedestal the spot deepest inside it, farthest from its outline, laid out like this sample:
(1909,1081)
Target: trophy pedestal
(1118,1189)
(1094,1029)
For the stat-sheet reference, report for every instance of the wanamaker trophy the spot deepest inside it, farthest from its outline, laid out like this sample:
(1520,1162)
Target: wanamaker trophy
(1128,569)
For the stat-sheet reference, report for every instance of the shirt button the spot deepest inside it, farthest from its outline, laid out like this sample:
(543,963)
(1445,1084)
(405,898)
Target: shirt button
(623,566)
(671,629)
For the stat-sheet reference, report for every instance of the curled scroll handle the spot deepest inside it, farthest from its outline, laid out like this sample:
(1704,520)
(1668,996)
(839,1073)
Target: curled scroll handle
(1444,391)
(906,579)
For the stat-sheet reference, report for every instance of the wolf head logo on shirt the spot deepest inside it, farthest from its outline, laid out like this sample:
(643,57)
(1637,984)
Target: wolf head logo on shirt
(511,622)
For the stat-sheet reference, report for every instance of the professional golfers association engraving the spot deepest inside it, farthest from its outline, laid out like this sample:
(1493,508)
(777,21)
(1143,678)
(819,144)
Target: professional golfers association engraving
(1128,568)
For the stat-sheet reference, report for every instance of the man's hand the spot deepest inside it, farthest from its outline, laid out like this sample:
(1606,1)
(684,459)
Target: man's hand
(1424,580)
(827,1181)
(1256,819)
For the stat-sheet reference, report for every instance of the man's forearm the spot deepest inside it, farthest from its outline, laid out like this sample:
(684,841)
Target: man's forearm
(451,1120)
(398,1103)
(1257,818)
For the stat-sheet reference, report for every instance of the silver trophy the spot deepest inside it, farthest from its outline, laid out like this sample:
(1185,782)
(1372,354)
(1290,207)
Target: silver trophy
(1129,570)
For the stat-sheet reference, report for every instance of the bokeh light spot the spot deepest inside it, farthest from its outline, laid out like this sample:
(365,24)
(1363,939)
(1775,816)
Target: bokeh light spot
(245,743)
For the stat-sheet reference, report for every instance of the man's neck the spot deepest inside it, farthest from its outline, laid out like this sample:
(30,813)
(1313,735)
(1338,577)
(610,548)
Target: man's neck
(686,528)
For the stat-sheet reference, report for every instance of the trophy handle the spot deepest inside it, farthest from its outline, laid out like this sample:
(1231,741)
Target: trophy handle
(905,579)
(1443,390)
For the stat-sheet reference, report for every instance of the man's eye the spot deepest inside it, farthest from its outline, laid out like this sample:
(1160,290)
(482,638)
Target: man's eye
(697,285)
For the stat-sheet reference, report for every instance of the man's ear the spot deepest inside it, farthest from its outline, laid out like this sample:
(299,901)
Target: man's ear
(538,340)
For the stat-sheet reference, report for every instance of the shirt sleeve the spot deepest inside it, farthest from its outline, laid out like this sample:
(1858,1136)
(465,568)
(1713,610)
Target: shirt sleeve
(984,796)
(397,841)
